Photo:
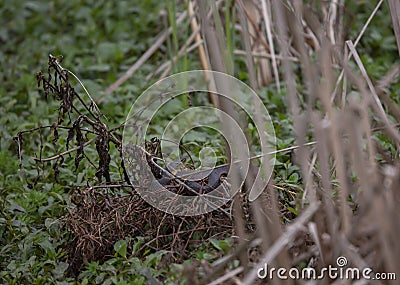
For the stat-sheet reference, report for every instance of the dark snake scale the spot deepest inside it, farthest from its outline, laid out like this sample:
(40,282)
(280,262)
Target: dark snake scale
(214,180)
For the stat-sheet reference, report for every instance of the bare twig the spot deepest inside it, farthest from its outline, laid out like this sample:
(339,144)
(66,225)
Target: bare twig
(160,40)
(282,241)
(363,29)
(265,55)
(65,152)
(267,21)
(395,13)
(227,276)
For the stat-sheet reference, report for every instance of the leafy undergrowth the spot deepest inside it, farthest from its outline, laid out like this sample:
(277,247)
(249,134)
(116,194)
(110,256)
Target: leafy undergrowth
(54,228)
(38,244)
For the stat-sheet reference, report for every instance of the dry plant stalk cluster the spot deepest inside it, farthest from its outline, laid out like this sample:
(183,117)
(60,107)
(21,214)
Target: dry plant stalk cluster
(104,213)
(346,162)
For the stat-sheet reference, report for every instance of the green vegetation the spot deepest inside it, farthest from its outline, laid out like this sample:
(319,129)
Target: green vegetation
(99,41)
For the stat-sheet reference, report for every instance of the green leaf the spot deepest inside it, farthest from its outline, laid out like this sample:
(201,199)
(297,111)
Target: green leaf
(292,210)
(120,247)
(294,177)
(137,245)
(222,245)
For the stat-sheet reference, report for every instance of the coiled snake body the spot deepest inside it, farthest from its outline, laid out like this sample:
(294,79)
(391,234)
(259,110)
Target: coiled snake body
(194,179)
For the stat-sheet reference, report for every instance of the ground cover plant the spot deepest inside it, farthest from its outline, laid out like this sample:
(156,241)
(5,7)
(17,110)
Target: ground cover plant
(327,71)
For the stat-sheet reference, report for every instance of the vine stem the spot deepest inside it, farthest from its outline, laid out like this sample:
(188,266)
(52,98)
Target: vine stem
(65,152)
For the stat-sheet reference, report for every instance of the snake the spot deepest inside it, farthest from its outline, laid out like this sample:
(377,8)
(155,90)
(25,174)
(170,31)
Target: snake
(193,178)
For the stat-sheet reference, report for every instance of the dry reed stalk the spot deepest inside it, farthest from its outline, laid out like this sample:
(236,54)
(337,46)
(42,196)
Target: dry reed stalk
(353,192)
(360,35)
(195,26)
(216,58)
(394,7)
(247,40)
(282,242)
(250,18)
(161,37)
(266,10)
